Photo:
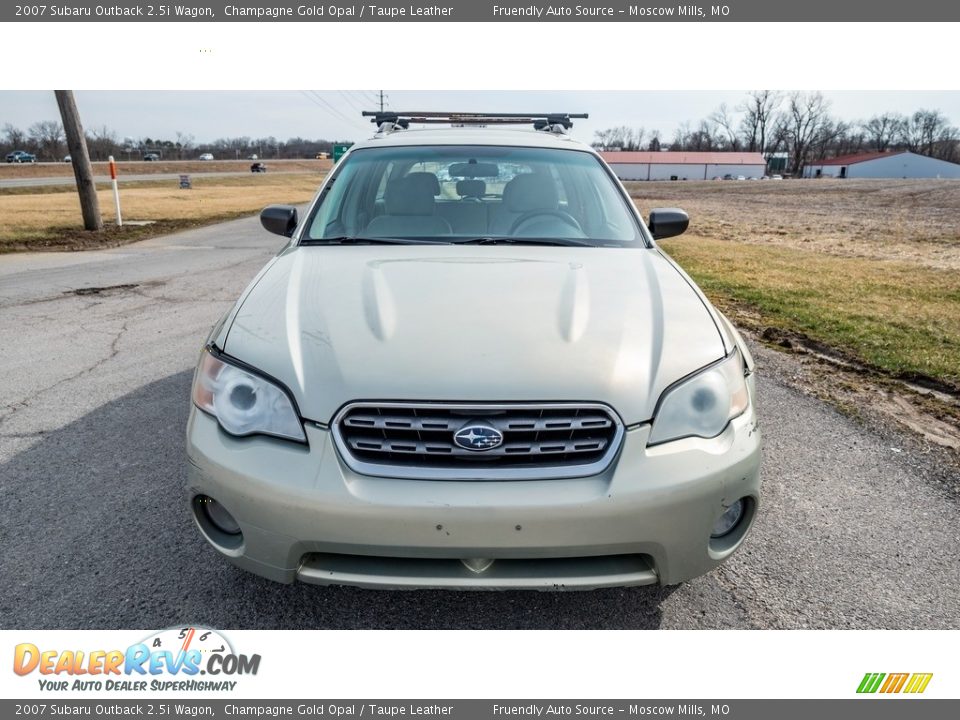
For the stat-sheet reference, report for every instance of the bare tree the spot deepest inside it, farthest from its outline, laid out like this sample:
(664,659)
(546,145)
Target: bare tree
(102,143)
(849,139)
(725,122)
(929,132)
(621,137)
(705,138)
(681,137)
(185,143)
(760,111)
(14,137)
(832,137)
(47,136)
(601,139)
(807,118)
(639,135)
(883,130)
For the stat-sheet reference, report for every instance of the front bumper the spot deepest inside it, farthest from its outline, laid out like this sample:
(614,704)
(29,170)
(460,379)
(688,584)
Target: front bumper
(306,516)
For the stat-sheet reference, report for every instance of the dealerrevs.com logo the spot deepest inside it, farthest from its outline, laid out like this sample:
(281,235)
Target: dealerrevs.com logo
(172,659)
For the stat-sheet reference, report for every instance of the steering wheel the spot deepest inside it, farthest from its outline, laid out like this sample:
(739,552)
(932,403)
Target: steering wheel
(560,214)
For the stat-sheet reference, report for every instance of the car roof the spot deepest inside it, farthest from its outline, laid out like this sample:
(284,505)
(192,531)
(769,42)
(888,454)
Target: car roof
(474,136)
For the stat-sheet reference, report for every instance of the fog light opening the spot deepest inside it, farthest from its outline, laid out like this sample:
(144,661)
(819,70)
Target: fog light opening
(219,516)
(729,521)
(217,525)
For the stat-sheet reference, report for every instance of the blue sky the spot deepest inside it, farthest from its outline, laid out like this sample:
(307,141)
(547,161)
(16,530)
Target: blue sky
(333,114)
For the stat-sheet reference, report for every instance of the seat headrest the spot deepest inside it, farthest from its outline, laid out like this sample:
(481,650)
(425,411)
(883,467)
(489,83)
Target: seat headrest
(533,191)
(471,188)
(412,194)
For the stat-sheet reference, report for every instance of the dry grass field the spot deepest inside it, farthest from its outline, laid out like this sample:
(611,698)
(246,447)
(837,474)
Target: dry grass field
(47,218)
(869,269)
(137,167)
(915,221)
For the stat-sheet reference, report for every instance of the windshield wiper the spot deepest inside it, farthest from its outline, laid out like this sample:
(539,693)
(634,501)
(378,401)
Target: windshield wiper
(562,242)
(354,240)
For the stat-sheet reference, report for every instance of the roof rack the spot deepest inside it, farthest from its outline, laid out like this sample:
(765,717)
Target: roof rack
(390,121)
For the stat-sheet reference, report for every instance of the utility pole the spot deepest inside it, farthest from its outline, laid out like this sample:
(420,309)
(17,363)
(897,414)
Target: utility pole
(82,170)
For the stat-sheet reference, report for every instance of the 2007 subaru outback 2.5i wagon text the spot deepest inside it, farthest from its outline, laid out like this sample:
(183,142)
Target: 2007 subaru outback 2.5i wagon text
(472,367)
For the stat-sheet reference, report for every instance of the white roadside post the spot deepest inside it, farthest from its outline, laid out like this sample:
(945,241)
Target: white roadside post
(116,190)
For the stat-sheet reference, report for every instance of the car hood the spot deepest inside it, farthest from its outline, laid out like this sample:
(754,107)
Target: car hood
(468,323)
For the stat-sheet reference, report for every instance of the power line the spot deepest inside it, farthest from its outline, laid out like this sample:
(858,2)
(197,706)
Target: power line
(322,103)
(360,96)
(336,112)
(350,101)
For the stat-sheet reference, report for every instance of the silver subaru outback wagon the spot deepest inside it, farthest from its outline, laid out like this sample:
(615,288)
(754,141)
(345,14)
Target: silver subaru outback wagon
(472,367)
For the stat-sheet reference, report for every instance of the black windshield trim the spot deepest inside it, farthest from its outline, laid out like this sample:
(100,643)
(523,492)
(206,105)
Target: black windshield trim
(350,240)
(512,240)
(643,238)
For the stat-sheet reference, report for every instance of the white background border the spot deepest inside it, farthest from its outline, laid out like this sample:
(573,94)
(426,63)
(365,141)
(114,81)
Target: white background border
(552,56)
(511,56)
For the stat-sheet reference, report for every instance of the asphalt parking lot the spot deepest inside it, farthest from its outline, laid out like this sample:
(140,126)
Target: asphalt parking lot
(859,527)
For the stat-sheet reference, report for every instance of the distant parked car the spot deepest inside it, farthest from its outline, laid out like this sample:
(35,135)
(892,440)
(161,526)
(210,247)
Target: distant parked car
(67,158)
(21,156)
(206,156)
(741,177)
(151,157)
(728,176)
(258,167)
(252,157)
(777,177)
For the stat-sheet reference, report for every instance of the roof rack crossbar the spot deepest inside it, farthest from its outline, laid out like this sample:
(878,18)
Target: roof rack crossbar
(540,121)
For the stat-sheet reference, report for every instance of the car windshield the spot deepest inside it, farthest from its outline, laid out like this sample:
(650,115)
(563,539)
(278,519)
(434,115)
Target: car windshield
(480,194)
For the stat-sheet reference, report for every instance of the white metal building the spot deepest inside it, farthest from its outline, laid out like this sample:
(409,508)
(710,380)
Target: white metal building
(641,165)
(897,164)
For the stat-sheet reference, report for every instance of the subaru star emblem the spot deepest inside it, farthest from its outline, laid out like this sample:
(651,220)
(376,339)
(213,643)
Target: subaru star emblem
(478,437)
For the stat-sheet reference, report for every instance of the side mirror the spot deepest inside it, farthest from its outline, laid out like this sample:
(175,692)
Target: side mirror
(279,219)
(667,222)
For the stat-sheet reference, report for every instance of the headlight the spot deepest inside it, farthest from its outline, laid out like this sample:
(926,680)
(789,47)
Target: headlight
(244,403)
(704,403)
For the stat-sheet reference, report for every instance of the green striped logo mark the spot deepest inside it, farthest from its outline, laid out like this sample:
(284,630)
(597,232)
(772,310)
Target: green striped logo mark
(871,682)
(892,683)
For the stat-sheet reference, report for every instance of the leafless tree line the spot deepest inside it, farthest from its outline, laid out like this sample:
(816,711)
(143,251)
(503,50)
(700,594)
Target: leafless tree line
(47,141)
(798,125)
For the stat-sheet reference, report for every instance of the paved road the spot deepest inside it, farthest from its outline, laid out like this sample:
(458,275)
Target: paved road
(121,178)
(94,531)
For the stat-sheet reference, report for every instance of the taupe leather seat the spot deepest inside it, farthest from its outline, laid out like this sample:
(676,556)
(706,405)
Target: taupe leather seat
(410,209)
(473,189)
(532,191)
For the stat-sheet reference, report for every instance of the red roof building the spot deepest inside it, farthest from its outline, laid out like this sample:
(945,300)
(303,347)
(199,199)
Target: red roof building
(683,165)
(855,158)
(895,164)
(684,158)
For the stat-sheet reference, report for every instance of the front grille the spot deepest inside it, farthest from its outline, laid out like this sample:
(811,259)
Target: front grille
(417,440)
